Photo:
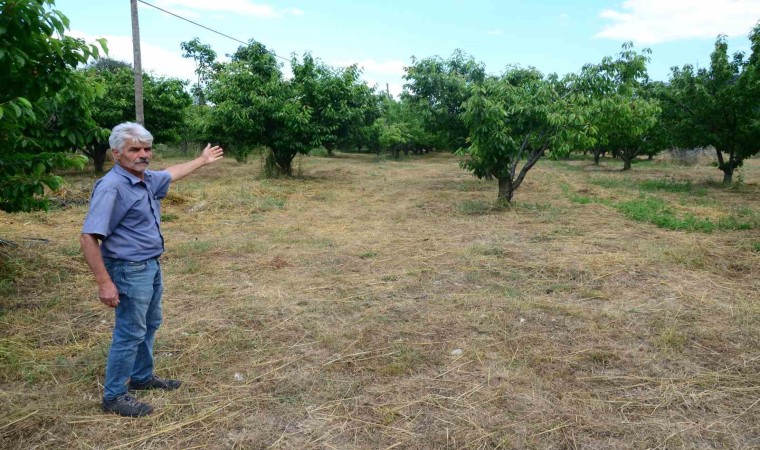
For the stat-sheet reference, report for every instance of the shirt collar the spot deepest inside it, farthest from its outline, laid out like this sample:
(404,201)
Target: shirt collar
(132,178)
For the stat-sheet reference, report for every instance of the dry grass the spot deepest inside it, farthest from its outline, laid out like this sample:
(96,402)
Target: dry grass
(388,305)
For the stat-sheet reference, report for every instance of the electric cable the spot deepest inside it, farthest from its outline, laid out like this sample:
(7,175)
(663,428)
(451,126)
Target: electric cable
(209,29)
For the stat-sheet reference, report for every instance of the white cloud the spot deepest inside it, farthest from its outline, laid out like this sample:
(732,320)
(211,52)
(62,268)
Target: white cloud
(239,7)
(154,59)
(655,21)
(495,32)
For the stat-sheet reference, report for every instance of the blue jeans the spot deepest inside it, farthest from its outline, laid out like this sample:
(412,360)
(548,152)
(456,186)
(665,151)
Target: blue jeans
(138,316)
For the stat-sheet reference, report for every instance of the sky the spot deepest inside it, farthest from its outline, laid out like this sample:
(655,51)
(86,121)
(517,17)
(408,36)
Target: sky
(382,36)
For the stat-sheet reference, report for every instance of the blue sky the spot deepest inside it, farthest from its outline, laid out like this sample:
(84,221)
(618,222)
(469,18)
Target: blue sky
(382,36)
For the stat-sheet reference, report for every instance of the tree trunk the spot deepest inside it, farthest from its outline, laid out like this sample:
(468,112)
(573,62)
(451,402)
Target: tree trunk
(285,165)
(98,154)
(506,190)
(99,160)
(597,155)
(627,154)
(282,163)
(728,174)
(726,166)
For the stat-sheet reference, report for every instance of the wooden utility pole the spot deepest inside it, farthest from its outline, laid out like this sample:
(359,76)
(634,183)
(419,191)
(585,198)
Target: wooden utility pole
(139,111)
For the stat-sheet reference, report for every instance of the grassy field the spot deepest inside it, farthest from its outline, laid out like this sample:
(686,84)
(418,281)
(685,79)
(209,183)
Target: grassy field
(390,305)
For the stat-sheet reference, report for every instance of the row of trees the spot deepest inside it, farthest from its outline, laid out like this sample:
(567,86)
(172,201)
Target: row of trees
(56,107)
(502,125)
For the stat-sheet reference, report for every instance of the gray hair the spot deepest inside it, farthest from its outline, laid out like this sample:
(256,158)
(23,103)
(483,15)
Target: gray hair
(128,132)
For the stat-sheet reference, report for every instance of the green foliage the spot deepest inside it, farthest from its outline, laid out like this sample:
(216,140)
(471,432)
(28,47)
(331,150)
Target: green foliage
(24,177)
(717,106)
(399,129)
(255,105)
(164,99)
(204,57)
(106,64)
(437,88)
(165,102)
(339,100)
(517,119)
(624,116)
(195,127)
(45,104)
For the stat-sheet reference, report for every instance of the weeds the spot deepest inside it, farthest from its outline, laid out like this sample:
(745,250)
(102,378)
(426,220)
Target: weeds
(654,210)
(475,207)
(666,185)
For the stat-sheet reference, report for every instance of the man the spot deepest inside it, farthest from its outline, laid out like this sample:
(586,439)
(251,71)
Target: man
(125,216)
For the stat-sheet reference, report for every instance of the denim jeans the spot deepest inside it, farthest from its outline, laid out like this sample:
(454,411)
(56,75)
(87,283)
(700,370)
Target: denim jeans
(138,316)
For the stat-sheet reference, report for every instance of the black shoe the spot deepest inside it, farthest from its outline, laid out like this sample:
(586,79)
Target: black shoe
(126,405)
(155,382)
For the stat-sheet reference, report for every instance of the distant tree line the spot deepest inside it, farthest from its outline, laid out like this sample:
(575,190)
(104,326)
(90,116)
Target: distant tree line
(61,96)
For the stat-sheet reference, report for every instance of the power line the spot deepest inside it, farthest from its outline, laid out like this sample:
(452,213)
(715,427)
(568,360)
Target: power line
(207,28)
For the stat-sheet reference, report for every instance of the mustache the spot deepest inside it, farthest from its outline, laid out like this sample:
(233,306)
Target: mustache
(143,160)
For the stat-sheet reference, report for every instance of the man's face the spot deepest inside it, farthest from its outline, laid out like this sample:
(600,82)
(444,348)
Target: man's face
(134,157)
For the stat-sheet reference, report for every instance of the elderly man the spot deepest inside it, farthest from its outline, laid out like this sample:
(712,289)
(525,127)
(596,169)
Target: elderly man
(125,216)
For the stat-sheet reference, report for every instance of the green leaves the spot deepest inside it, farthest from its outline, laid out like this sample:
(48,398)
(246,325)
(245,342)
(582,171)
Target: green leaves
(438,88)
(24,178)
(165,100)
(620,109)
(717,106)
(44,101)
(339,100)
(255,106)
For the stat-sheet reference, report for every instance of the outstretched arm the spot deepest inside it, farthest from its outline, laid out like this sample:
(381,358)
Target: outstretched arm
(210,154)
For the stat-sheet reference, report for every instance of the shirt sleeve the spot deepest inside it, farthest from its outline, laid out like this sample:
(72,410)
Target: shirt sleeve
(160,183)
(100,218)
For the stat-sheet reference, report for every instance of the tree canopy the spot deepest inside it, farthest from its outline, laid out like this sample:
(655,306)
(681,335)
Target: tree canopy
(165,103)
(439,87)
(718,105)
(623,113)
(517,119)
(44,104)
(255,105)
(51,107)
(205,60)
(339,100)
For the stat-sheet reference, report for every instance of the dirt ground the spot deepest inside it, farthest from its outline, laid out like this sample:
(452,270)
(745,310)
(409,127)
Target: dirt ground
(390,304)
